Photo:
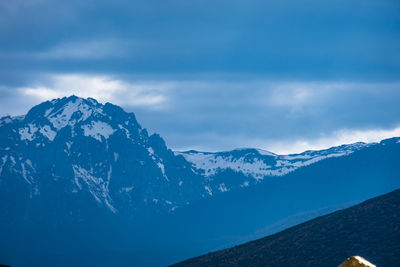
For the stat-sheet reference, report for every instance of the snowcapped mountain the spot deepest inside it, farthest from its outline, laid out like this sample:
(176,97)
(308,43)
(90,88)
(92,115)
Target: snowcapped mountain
(255,164)
(77,150)
(74,154)
(258,163)
(88,177)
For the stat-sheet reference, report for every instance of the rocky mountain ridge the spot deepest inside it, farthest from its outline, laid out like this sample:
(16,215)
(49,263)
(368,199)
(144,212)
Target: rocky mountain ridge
(76,149)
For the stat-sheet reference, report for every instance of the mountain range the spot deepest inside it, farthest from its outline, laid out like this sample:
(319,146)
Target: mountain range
(91,179)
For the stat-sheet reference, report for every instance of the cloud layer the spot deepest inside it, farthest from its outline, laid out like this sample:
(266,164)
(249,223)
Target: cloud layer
(352,40)
(283,117)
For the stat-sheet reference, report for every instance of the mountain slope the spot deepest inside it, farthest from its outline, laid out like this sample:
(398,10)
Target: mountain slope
(370,229)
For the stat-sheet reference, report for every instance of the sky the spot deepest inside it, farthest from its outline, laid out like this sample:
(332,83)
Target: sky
(284,76)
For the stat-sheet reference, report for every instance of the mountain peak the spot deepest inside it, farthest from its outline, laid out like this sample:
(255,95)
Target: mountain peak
(84,116)
(93,143)
(67,111)
(65,107)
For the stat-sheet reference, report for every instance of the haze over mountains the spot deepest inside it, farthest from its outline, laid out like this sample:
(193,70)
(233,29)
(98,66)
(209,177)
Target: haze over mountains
(75,171)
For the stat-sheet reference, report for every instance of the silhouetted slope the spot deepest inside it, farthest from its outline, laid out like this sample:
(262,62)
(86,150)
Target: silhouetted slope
(370,229)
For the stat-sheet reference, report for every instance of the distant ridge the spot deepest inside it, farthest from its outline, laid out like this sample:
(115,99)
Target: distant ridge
(370,229)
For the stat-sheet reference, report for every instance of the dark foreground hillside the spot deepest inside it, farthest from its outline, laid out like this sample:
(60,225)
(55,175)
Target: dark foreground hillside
(370,229)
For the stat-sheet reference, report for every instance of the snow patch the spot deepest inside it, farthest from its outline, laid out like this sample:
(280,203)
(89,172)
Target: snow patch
(68,144)
(222,188)
(245,184)
(213,163)
(289,157)
(4,160)
(47,112)
(13,162)
(161,166)
(208,189)
(29,163)
(48,132)
(93,101)
(5,120)
(62,117)
(151,151)
(27,133)
(98,187)
(98,129)
(126,131)
(174,208)
(109,174)
(24,174)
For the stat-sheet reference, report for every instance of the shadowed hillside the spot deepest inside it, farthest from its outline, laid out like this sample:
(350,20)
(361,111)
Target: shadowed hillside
(370,229)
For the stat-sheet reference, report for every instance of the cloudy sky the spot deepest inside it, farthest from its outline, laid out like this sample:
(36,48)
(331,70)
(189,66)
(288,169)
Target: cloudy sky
(284,75)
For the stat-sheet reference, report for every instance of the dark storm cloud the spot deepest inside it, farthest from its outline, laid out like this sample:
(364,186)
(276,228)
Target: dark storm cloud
(291,39)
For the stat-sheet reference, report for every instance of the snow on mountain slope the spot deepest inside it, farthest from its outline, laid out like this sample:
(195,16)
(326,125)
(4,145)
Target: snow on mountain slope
(79,147)
(258,164)
(74,146)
